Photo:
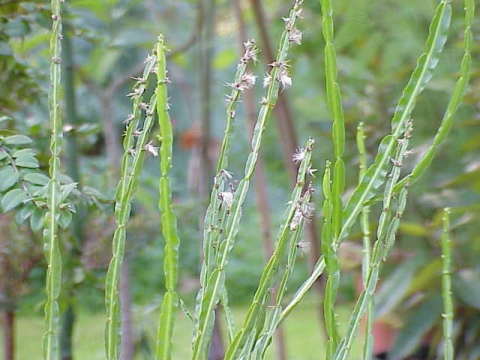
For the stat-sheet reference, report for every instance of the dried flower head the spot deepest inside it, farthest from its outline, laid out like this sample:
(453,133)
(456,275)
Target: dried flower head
(303,247)
(295,36)
(149,148)
(227,198)
(299,155)
(297,217)
(246,82)
(251,51)
(136,92)
(267,80)
(311,171)
(284,79)
(129,118)
(227,174)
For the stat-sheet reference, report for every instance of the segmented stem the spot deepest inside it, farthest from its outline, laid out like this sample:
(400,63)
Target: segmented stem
(50,233)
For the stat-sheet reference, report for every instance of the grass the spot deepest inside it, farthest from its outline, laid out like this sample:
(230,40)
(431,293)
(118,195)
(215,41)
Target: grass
(302,329)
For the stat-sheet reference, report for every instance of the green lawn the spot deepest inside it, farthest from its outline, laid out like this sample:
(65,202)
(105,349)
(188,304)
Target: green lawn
(302,334)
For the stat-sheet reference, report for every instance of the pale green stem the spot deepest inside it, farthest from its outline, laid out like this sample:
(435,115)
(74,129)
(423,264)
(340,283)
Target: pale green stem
(50,233)
(447,288)
(135,147)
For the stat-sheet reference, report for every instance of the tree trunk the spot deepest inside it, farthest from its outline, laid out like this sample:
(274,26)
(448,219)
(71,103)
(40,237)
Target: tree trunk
(8,334)
(207,8)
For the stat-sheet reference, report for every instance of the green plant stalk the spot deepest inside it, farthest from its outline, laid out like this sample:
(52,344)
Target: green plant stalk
(132,162)
(332,190)
(212,216)
(331,262)
(387,228)
(50,233)
(375,175)
(169,222)
(211,291)
(334,100)
(273,312)
(216,213)
(367,246)
(288,231)
(454,103)
(447,288)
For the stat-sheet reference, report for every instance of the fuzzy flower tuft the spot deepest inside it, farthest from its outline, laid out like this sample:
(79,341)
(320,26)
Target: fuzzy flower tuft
(267,80)
(251,51)
(295,36)
(284,79)
(227,198)
(149,148)
(299,155)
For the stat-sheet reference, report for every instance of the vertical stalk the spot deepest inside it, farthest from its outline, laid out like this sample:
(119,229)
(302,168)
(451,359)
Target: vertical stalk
(367,246)
(376,174)
(260,182)
(333,195)
(50,233)
(447,288)
(331,262)
(286,130)
(215,282)
(169,222)
(135,147)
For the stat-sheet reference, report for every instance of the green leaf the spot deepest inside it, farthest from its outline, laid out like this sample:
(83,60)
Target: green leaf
(67,189)
(37,220)
(418,323)
(17,27)
(12,199)
(64,219)
(17,140)
(36,178)
(5,49)
(27,161)
(23,152)
(395,287)
(466,286)
(24,213)
(8,177)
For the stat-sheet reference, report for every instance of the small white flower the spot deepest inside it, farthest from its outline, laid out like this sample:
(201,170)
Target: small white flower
(129,118)
(299,155)
(284,79)
(135,93)
(295,36)
(228,175)
(308,211)
(311,171)
(250,51)
(267,80)
(227,198)
(297,217)
(153,150)
(247,82)
(303,247)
